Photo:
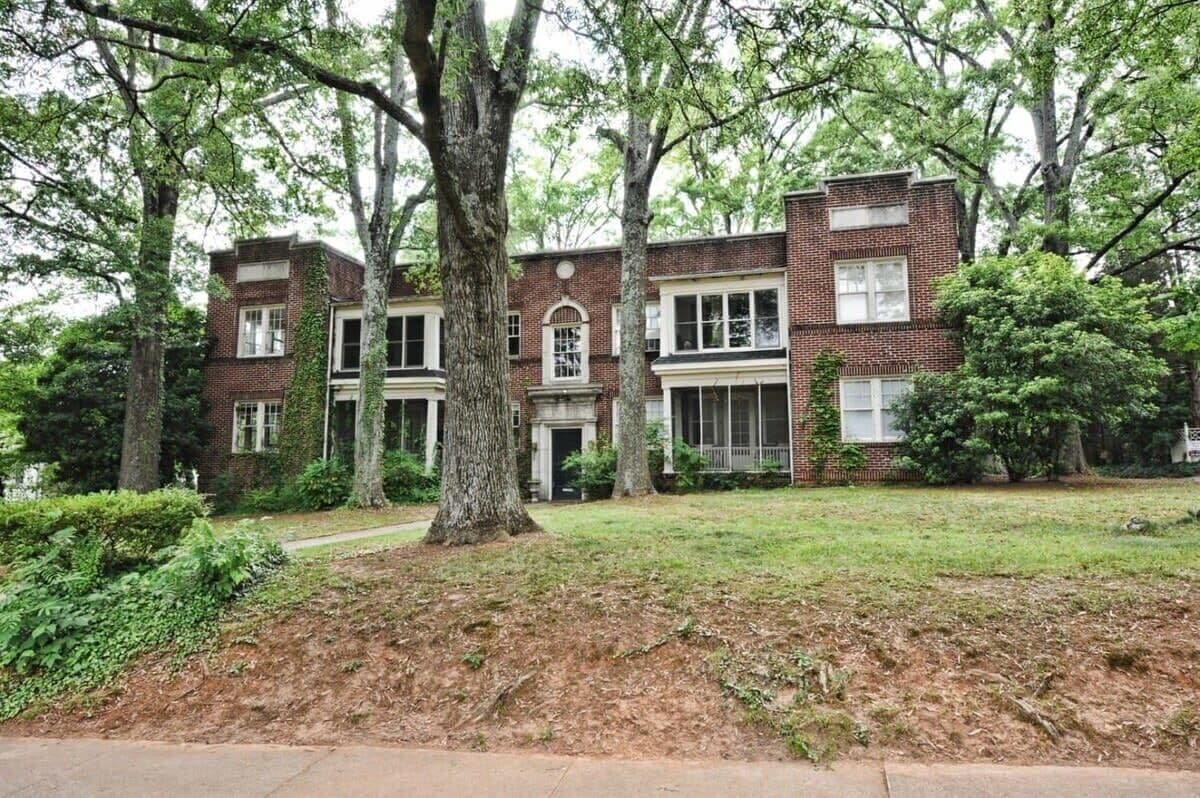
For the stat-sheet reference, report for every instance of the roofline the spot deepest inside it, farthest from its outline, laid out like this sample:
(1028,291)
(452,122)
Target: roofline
(824,183)
(294,242)
(670,242)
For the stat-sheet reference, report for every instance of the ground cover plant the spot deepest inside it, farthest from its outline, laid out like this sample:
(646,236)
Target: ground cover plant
(1019,623)
(67,624)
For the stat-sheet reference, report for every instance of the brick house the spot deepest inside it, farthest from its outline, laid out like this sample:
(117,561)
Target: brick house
(733,324)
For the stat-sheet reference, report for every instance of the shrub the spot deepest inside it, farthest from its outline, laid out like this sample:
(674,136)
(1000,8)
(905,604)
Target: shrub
(1154,471)
(323,485)
(405,480)
(595,469)
(689,464)
(61,628)
(129,527)
(939,432)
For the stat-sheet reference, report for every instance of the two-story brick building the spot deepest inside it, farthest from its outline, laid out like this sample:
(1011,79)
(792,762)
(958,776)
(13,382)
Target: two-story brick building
(733,324)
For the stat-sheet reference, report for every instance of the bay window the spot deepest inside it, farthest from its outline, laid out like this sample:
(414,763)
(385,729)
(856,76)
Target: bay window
(730,320)
(867,414)
(872,290)
(406,342)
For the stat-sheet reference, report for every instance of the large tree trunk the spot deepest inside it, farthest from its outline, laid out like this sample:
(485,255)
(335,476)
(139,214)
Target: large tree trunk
(141,444)
(633,467)
(481,500)
(368,438)
(1194,376)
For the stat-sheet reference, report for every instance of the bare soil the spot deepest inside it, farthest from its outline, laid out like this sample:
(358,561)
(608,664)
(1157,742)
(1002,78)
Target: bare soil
(383,654)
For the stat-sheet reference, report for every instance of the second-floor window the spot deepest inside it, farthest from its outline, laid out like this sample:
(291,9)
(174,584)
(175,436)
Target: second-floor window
(351,343)
(653,328)
(406,342)
(568,352)
(513,330)
(262,331)
(872,290)
(733,320)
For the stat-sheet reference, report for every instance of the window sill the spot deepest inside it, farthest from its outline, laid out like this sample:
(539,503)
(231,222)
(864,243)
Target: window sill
(276,356)
(893,442)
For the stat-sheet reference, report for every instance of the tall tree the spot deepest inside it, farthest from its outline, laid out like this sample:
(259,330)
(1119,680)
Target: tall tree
(117,130)
(467,94)
(381,225)
(663,71)
(1094,81)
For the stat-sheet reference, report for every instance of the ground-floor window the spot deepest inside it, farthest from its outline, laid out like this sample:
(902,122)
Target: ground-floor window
(737,427)
(256,425)
(405,426)
(404,423)
(867,408)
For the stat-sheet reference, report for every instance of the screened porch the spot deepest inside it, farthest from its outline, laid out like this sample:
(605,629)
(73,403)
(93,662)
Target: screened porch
(736,427)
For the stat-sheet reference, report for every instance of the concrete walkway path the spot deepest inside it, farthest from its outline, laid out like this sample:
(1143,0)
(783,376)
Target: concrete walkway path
(35,767)
(359,534)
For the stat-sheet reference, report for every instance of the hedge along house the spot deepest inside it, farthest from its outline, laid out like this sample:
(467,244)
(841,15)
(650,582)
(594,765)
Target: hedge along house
(733,325)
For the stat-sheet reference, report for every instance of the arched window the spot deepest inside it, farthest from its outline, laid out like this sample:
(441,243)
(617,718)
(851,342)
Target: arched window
(565,337)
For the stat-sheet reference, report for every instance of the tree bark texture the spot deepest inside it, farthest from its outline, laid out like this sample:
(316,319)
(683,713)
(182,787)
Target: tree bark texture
(467,132)
(141,443)
(633,467)
(368,437)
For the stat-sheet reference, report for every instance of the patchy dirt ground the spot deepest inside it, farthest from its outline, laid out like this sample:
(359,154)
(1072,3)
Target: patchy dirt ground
(386,650)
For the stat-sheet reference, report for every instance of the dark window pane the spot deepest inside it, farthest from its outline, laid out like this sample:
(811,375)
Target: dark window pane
(342,431)
(393,423)
(414,427)
(351,342)
(687,336)
(441,325)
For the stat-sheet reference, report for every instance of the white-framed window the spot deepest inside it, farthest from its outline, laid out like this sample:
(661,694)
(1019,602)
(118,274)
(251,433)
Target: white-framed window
(351,348)
(263,270)
(513,330)
(868,216)
(261,331)
(871,290)
(867,408)
(256,425)
(653,328)
(654,412)
(406,341)
(568,352)
(730,320)
(515,410)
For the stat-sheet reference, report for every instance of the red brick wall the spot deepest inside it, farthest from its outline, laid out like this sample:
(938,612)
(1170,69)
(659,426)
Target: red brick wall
(596,285)
(928,241)
(807,249)
(228,378)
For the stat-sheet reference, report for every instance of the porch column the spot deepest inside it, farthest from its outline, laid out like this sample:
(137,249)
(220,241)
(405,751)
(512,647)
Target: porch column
(668,417)
(431,418)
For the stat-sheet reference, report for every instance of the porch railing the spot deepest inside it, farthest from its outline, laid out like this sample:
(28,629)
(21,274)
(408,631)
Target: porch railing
(745,458)
(1191,444)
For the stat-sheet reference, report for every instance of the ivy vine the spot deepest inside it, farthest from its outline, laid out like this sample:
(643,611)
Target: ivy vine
(304,409)
(825,436)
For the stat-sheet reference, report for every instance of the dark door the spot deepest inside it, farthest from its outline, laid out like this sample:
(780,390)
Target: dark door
(563,442)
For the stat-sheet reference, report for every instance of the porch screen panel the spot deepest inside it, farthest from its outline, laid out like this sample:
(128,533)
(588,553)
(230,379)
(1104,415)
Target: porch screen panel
(774,415)
(714,409)
(415,419)
(685,413)
(743,416)
(342,431)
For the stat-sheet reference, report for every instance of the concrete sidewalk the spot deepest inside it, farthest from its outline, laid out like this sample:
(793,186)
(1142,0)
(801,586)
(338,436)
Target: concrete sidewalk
(358,534)
(31,767)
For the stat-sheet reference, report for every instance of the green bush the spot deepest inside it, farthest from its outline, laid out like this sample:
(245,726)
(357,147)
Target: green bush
(322,485)
(689,464)
(405,480)
(595,468)
(63,628)
(1153,471)
(128,527)
(940,442)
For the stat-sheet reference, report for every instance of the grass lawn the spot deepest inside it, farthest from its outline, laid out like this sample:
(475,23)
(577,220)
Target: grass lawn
(301,526)
(990,623)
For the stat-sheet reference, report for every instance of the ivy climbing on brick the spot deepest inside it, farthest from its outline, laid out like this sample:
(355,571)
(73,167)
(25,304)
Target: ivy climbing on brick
(304,405)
